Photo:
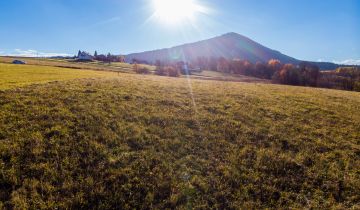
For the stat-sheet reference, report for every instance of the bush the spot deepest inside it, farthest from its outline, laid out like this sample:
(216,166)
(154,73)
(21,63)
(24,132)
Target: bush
(141,70)
(160,71)
(167,71)
(172,72)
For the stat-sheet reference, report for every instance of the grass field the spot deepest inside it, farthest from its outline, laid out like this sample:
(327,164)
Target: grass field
(146,142)
(116,67)
(220,76)
(21,75)
(122,68)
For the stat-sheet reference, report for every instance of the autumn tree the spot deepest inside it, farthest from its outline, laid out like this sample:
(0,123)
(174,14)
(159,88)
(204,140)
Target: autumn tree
(212,64)
(289,75)
(172,71)
(261,71)
(309,74)
(223,65)
(274,65)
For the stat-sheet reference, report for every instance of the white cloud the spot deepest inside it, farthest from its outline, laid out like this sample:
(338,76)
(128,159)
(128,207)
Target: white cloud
(32,53)
(349,62)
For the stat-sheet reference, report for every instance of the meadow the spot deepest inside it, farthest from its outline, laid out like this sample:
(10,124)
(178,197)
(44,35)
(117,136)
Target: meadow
(72,64)
(83,140)
(12,76)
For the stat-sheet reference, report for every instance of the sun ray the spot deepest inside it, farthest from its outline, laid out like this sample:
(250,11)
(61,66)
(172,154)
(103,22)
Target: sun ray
(175,12)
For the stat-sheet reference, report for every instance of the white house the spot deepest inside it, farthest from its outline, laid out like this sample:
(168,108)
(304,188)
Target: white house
(84,56)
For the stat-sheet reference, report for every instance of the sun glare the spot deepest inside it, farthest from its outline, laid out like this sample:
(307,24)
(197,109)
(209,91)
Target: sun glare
(175,11)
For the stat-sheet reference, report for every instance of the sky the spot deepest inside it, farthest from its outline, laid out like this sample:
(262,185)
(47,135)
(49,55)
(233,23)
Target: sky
(315,30)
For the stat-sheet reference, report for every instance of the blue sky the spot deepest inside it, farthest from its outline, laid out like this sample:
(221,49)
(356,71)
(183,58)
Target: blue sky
(327,30)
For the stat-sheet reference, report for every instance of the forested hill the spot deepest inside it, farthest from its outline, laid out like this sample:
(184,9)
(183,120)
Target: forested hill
(229,46)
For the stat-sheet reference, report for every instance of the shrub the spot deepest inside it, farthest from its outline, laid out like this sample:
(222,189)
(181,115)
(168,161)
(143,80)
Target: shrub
(141,70)
(167,71)
(160,71)
(172,72)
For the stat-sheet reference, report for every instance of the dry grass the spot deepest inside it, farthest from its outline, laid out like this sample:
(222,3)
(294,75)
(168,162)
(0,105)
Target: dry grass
(149,142)
(21,75)
(99,66)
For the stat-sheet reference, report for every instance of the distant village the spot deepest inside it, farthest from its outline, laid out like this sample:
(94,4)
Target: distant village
(85,56)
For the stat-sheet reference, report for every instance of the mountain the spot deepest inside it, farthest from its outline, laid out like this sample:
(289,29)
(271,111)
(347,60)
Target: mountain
(230,46)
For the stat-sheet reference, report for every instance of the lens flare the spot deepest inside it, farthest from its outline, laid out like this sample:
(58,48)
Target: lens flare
(176,11)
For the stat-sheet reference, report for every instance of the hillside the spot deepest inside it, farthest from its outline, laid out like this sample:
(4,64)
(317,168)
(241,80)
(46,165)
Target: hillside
(230,46)
(42,70)
(72,64)
(128,141)
(12,76)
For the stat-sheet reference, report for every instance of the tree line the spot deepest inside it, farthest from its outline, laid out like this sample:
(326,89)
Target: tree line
(302,74)
(108,58)
(305,73)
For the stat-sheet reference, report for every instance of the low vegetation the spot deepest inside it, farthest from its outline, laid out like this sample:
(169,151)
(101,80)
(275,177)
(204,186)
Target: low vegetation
(150,142)
(303,74)
(167,71)
(20,75)
(73,64)
(141,70)
(346,78)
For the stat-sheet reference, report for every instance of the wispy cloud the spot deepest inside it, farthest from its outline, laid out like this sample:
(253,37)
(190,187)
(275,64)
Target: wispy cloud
(112,20)
(349,62)
(31,53)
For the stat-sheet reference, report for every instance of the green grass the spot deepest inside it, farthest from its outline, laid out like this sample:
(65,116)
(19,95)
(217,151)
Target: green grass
(21,75)
(149,142)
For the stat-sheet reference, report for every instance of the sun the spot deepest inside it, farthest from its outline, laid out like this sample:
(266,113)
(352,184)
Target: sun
(175,11)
